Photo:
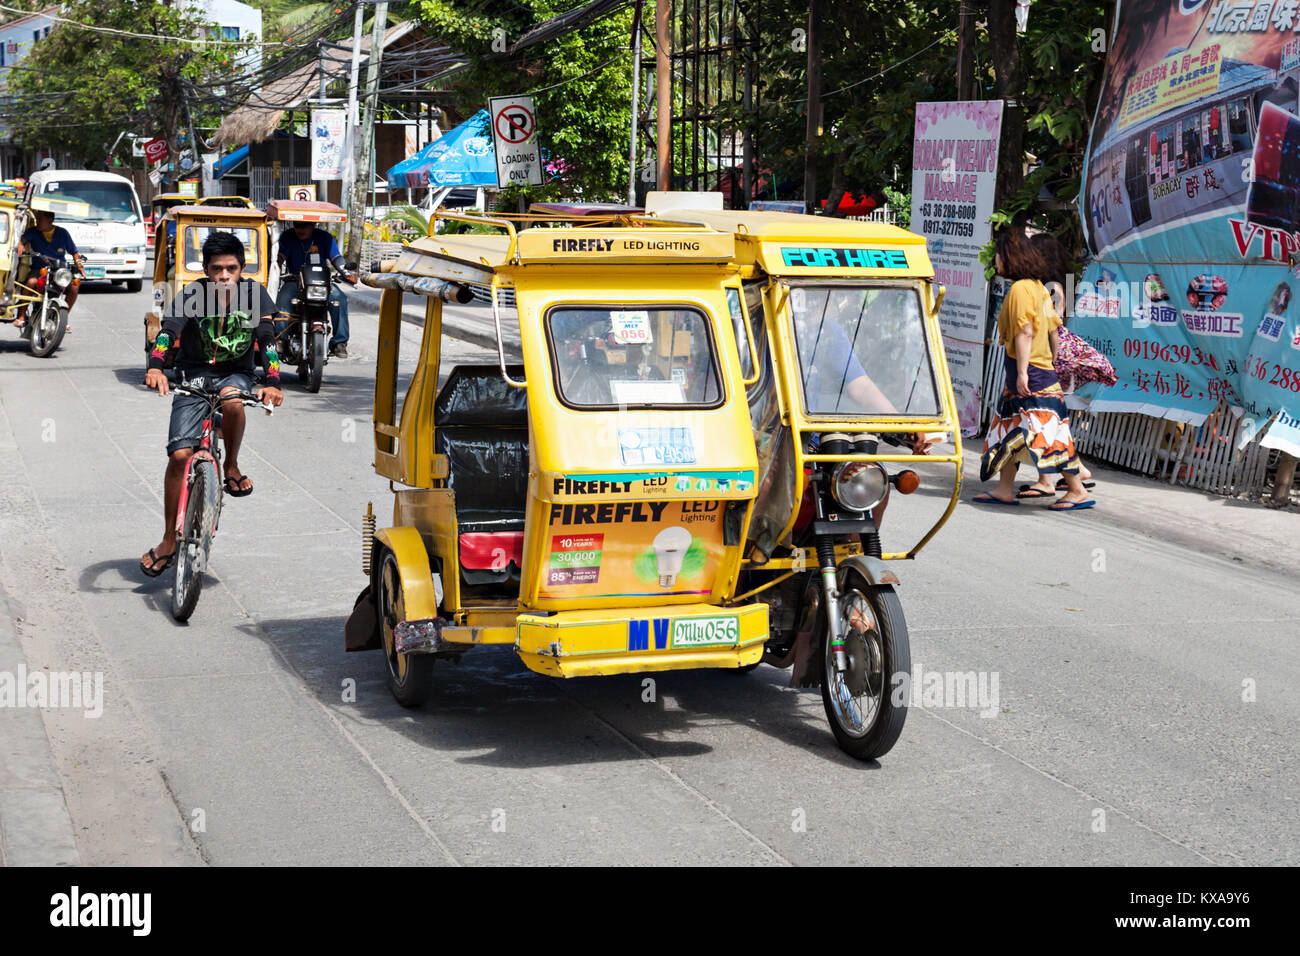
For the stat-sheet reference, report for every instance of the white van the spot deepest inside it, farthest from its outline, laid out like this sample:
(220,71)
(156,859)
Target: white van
(112,239)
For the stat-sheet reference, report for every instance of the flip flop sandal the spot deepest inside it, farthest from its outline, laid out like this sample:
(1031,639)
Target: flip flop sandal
(233,489)
(988,499)
(155,568)
(1062,486)
(1072,505)
(1033,494)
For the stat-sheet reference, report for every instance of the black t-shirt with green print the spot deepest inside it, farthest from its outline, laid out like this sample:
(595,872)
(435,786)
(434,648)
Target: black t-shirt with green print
(218,335)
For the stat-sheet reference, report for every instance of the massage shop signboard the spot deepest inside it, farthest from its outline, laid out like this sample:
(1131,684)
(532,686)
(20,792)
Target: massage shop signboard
(1191,211)
(954,176)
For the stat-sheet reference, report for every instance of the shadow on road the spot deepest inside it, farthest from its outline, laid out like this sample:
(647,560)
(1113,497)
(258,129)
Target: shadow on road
(491,701)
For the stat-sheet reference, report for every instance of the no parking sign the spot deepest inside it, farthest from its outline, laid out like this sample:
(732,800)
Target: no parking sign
(302,193)
(514,137)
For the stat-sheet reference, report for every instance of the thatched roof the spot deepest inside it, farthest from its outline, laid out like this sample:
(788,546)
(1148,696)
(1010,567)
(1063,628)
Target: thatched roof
(261,113)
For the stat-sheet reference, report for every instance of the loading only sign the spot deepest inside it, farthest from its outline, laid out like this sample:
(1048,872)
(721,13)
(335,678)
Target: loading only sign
(514,137)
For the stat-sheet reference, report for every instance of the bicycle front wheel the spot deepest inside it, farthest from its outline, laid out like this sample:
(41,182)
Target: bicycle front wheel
(197,530)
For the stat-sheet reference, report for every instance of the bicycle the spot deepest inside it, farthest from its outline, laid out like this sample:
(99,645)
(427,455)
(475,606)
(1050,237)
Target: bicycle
(202,492)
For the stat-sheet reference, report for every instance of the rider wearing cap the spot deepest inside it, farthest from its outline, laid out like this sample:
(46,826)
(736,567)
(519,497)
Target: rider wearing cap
(296,244)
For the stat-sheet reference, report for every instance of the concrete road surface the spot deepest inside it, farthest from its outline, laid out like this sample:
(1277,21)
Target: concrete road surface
(1138,701)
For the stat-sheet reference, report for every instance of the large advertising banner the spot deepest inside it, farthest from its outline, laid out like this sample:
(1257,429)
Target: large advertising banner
(954,176)
(1191,210)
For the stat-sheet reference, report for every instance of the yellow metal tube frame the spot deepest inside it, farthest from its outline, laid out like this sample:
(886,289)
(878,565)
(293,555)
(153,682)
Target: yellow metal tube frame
(777,293)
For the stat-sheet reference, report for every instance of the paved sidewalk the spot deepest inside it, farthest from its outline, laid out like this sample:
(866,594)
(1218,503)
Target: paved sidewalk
(1249,533)
(35,828)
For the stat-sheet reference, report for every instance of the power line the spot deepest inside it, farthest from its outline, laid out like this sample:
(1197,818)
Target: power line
(128,33)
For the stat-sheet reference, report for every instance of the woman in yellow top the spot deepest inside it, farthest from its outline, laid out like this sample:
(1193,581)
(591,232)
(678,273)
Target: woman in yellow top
(1032,424)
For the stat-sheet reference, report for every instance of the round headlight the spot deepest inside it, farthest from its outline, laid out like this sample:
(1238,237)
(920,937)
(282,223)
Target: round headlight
(859,485)
(63,278)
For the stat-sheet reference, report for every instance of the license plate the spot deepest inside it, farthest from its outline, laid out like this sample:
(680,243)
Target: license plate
(94,272)
(705,631)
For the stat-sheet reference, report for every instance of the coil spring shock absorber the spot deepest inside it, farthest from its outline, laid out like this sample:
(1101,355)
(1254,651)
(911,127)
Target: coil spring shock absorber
(367,537)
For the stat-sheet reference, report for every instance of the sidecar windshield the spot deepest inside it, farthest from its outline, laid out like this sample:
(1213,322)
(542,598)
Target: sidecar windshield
(862,351)
(195,236)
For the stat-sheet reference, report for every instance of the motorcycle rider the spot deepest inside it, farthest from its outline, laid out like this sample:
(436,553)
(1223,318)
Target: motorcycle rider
(297,242)
(213,322)
(47,239)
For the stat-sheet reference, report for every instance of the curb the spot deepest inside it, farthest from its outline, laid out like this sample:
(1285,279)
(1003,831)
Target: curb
(35,826)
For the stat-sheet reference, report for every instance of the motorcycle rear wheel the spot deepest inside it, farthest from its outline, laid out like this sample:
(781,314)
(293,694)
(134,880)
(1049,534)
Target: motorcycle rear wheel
(47,329)
(193,548)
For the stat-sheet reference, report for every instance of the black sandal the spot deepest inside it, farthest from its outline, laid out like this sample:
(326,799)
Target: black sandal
(1062,486)
(233,489)
(154,569)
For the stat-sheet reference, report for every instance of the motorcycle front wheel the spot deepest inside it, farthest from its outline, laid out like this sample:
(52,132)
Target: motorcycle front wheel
(47,329)
(315,361)
(196,539)
(865,705)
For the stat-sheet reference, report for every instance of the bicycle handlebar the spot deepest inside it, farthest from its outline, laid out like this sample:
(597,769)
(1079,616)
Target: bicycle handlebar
(245,398)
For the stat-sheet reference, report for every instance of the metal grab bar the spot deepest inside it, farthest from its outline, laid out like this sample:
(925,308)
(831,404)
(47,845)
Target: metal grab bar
(501,348)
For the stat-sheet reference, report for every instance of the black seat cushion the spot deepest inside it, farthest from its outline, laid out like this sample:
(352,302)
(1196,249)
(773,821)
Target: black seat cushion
(488,471)
(477,396)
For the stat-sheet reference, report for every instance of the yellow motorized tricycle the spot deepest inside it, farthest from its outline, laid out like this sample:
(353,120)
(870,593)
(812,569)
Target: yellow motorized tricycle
(687,469)
(34,287)
(178,253)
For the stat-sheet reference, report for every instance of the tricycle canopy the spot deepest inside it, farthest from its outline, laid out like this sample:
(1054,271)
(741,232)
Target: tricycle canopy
(295,210)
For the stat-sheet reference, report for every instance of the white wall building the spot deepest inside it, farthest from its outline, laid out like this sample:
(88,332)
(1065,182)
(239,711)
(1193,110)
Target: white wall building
(236,21)
(17,37)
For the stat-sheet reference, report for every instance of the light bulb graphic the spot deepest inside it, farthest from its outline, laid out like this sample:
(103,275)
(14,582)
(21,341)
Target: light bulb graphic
(670,547)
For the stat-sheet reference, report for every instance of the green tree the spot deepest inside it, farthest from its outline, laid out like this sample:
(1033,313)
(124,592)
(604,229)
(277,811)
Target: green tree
(1056,79)
(79,89)
(581,83)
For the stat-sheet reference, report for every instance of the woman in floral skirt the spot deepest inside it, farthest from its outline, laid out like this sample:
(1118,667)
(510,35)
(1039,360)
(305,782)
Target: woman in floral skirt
(1032,424)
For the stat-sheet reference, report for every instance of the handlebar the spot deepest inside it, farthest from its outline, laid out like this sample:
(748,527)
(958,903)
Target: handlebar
(245,398)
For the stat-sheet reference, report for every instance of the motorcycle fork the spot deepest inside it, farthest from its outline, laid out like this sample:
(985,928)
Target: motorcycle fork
(830,588)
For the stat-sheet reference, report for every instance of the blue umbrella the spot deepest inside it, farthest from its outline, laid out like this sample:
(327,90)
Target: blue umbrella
(462,157)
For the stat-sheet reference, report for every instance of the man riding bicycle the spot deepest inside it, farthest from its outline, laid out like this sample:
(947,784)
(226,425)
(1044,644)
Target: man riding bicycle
(211,327)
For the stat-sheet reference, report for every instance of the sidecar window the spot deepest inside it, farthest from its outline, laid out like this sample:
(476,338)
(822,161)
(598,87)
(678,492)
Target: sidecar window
(862,351)
(4,227)
(633,356)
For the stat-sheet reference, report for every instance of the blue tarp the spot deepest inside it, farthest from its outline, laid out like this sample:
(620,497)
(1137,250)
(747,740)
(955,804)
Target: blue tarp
(225,164)
(462,157)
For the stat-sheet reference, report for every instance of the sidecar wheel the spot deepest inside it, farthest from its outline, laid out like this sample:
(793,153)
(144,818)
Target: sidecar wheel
(861,703)
(410,676)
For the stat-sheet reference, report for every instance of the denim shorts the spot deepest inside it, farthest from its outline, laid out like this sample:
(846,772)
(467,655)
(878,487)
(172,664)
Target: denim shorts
(188,411)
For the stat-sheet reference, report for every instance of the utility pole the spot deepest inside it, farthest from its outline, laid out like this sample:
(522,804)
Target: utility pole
(636,98)
(365,170)
(814,130)
(966,50)
(663,98)
(354,131)
(321,184)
